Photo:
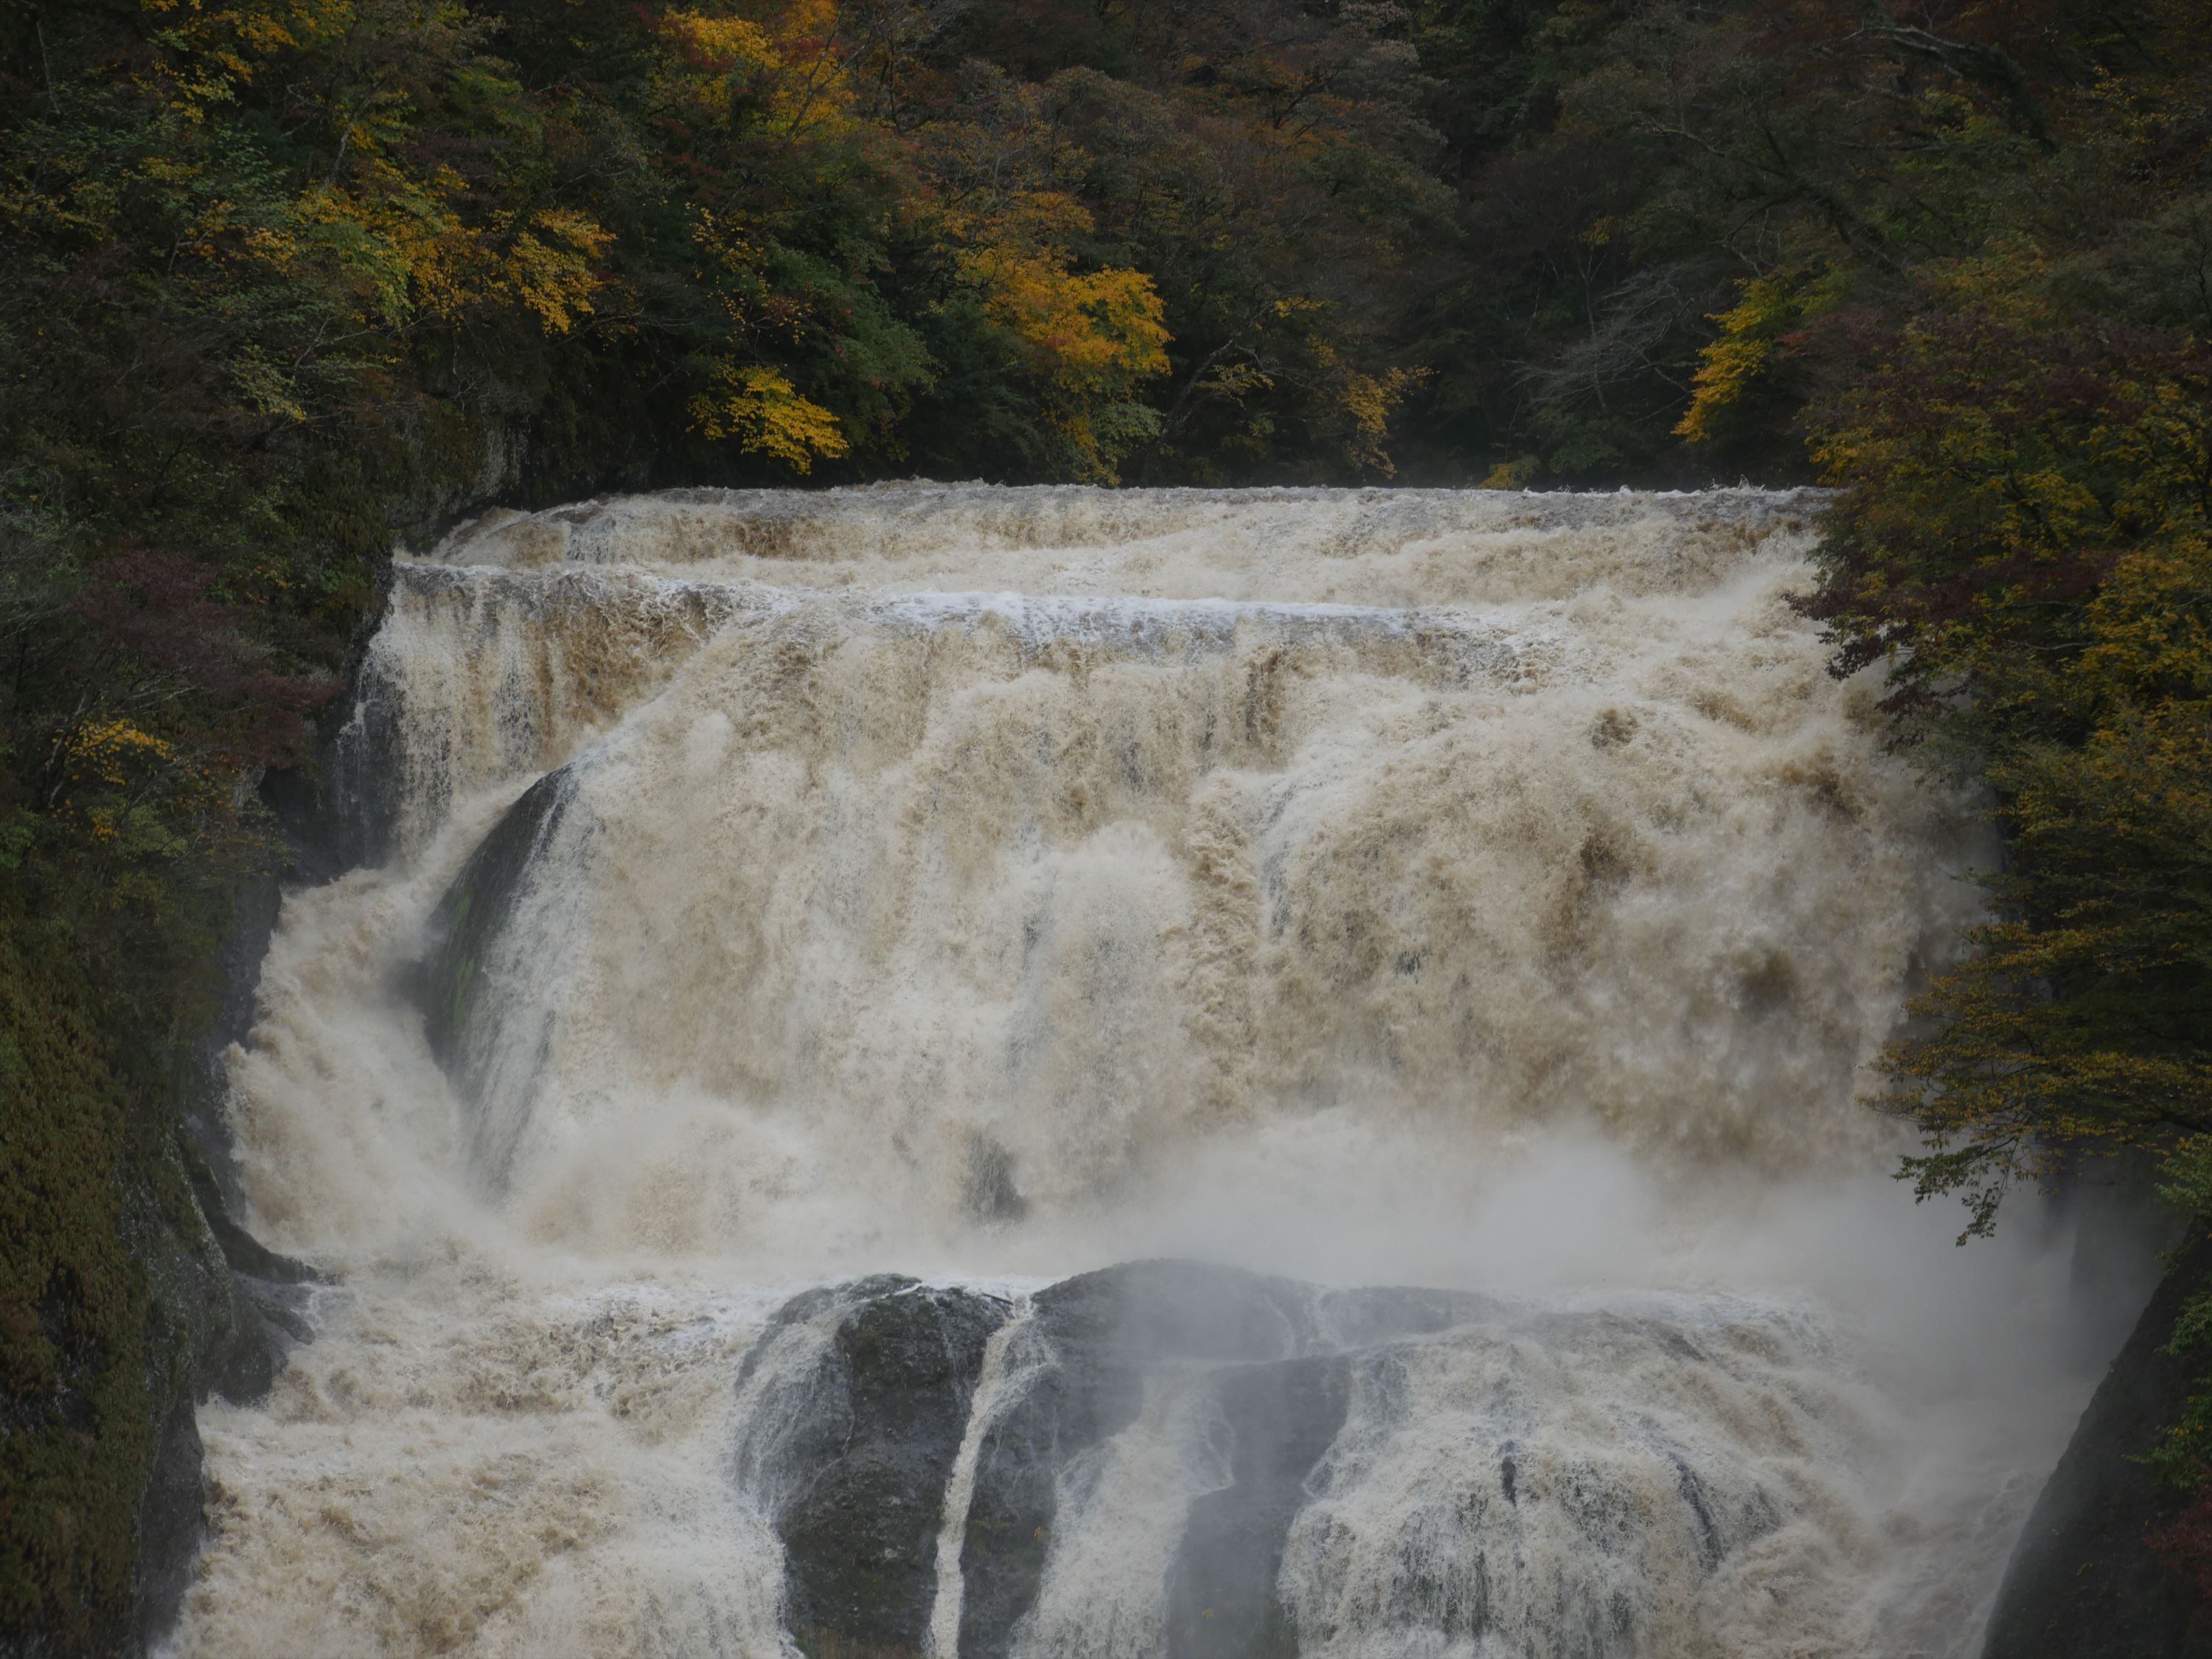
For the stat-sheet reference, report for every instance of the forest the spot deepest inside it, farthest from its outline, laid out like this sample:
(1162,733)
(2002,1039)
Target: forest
(287,280)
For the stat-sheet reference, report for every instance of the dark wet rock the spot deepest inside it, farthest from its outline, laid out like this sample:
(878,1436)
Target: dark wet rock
(255,904)
(469,918)
(2082,1580)
(1103,1332)
(455,982)
(988,1190)
(1221,1598)
(1277,1353)
(172,1524)
(271,1320)
(860,1467)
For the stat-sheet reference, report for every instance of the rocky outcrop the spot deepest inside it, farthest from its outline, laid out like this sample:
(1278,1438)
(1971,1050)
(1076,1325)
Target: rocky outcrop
(456,975)
(874,1411)
(2082,1579)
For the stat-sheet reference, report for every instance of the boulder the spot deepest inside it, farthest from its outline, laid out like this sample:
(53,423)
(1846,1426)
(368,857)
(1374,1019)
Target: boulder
(862,1451)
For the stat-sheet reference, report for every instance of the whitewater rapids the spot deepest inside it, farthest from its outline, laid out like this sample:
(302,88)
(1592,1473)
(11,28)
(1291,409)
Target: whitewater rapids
(1468,889)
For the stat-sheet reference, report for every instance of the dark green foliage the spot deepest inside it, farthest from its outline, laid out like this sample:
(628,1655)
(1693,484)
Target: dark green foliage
(2023,540)
(284,281)
(75,1420)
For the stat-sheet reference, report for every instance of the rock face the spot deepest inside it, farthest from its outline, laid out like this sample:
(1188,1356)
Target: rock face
(2081,1579)
(876,1406)
(469,918)
(226,1310)
(455,984)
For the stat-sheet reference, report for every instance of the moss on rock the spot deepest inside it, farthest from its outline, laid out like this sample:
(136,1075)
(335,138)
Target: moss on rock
(77,1436)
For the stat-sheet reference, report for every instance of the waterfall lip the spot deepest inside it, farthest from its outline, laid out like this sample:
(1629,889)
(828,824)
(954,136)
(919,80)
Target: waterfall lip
(1327,540)
(1026,616)
(918,500)
(934,607)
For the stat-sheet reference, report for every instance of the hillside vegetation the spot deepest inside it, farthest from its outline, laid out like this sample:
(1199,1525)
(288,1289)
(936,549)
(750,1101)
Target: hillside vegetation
(288,278)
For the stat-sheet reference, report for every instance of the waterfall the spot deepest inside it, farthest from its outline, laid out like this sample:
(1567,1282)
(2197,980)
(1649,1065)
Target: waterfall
(1010,1365)
(775,891)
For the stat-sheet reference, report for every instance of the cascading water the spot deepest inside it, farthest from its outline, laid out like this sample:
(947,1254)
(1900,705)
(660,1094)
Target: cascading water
(1482,891)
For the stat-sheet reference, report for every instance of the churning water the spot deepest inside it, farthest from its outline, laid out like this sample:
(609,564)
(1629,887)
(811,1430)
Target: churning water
(1476,890)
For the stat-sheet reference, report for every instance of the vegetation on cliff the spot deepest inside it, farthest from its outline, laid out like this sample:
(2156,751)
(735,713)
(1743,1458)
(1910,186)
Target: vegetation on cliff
(288,277)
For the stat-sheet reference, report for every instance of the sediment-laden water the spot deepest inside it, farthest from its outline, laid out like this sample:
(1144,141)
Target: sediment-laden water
(1485,893)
